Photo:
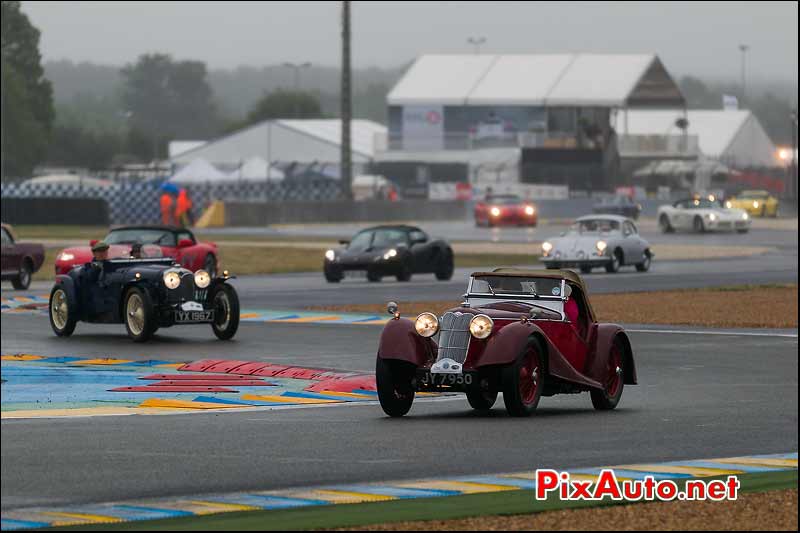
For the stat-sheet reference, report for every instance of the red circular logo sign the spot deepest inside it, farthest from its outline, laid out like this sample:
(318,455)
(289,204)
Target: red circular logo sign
(433,117)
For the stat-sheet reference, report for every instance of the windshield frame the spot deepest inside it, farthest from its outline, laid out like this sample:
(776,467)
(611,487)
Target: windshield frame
(514,295)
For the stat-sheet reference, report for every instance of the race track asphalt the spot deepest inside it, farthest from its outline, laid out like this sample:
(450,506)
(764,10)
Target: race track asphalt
(699,396)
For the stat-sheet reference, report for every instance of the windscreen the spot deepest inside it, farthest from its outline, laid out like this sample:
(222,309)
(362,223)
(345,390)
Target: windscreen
(518,285)
(144,236)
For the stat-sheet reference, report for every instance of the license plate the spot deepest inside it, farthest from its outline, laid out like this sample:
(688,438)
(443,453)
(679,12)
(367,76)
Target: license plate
(190,317)
(446,380)
(359,274)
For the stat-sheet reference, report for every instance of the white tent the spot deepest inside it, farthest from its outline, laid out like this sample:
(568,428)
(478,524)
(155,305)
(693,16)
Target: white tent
(257,169)
(68,179)
(198,171)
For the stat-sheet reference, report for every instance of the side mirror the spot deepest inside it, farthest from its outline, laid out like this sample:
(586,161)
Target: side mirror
(392,309)
(344,242)
(92,242)
(185,243)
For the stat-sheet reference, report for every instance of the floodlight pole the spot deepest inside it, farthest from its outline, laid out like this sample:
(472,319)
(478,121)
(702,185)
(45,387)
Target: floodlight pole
(744,48)
(793,164)
(346,170)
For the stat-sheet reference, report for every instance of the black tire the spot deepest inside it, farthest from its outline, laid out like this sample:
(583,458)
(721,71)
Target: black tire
(608,398)
(481,400)
(644,266)
(406,271)
(444,271)
(586,269)
(698,225)
(373,277)
(332,276)
(393,381)
(23,279)
(226,304)
(523,380)
(210,265)
(616,261)
(64,326)
(663,222)
(139,315)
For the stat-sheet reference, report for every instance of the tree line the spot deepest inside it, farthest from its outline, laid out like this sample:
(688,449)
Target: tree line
(101,117)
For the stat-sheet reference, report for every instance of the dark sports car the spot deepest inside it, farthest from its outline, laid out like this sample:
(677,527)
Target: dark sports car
(144,294)
(399,251)
(618,205)
(526,334)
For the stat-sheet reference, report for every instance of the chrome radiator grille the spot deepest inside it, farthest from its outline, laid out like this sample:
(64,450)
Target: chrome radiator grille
(454,337)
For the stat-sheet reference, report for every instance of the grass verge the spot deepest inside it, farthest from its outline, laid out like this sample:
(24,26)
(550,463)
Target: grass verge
(243,260)
(446,508)
(747,306)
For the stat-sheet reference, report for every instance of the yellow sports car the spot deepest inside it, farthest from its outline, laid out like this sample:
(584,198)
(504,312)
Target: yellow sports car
(756,203)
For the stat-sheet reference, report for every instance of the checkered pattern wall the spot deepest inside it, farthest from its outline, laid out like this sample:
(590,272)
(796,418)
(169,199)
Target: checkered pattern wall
(139,203)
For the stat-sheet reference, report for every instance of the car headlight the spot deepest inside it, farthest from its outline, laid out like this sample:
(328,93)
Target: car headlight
(202,279)
(729,204)
(389,254)
(330,255)
(66,257)
(547,247)
(755,204)
(745,216)
(495,211)
(712,217)
(481,326)
(172,279)
(426,325)
(529,210)
(601,246)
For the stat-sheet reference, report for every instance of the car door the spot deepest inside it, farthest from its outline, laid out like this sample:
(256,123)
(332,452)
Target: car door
(422,250)
(681,215)
(633,247)
(189,256)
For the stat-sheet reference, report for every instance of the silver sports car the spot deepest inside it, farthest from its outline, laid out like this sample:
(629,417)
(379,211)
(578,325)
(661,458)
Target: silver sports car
(608,241)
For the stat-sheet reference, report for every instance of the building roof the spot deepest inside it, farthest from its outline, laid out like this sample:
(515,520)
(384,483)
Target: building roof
(284,140)
(721,134)
(611,80)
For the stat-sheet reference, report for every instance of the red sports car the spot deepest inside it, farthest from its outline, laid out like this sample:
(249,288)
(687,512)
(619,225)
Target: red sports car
(157,241)
(526,334)
(505,210)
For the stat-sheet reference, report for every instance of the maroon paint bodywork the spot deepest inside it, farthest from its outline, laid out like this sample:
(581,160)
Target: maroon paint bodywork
(14,254)
(569,357)
(191,257)
(510,214)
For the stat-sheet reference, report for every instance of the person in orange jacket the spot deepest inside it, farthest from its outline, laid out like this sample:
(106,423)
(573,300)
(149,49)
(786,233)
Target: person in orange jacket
(165,202)
(183,206)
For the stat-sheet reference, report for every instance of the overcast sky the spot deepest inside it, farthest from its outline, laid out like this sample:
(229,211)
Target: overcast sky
(699,38)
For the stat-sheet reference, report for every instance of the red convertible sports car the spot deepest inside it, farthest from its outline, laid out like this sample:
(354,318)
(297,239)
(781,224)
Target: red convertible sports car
(505,210)
(156,241)
(524,333)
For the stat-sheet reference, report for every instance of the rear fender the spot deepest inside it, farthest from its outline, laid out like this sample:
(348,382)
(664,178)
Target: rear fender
(400,341)
(606,335)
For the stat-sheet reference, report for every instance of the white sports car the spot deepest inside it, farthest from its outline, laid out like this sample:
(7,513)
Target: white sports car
(701,215)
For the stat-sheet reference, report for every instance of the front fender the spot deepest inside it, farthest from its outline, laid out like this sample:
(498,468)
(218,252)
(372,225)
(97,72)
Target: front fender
(71,290)
(502,347)
(399,340)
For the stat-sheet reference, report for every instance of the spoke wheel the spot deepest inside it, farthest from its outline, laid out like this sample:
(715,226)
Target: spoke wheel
(609,397)
(523,381)
(62,318)
(226,311)
(140,320)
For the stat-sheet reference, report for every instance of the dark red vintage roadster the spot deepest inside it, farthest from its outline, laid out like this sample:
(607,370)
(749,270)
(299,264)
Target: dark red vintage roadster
(524,333)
